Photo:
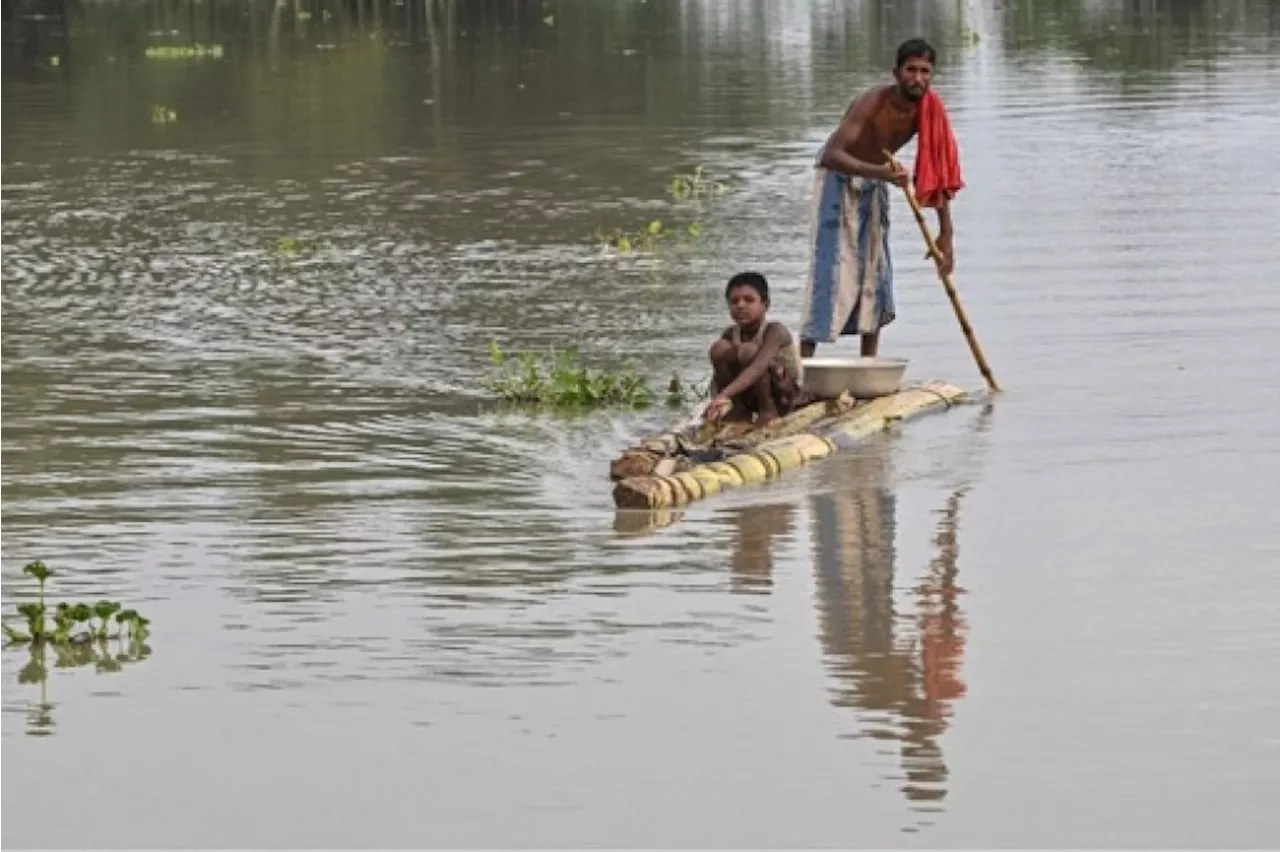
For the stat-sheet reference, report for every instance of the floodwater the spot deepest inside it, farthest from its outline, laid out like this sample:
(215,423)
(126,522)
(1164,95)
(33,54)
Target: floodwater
(387,612)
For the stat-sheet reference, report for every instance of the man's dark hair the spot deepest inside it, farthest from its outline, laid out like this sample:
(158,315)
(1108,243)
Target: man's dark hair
(916,48)
(754,280)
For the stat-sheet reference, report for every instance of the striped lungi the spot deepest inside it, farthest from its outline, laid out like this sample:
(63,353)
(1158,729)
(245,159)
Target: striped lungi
(850,278)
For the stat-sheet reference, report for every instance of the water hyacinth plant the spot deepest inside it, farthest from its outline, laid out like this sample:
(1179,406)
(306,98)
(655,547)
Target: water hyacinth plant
(184,51)
(646,239)
(73,623)
(687,193)
(696,186)
(558,379)
(297,245)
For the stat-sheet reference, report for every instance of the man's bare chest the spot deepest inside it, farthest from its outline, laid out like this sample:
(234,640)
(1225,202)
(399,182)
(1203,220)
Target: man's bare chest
(893,129)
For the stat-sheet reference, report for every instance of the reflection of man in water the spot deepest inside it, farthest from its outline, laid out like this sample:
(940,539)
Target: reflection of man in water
(753,551)
(901,697)
(942,624)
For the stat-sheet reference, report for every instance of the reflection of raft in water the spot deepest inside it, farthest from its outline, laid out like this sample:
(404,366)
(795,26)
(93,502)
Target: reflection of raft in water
(693,462)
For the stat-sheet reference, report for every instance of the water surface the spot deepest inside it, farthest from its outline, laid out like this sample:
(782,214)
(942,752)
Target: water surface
(388,612)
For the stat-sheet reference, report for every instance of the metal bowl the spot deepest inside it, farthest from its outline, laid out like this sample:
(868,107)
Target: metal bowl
(863,378)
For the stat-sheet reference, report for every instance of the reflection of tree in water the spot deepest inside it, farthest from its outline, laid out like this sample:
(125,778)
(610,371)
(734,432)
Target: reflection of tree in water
(901,677)
(473,35)
(1134,34)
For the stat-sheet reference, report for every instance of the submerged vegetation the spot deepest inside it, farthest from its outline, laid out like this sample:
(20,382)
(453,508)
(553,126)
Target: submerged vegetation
(558,379)
(292,246)
(696,187)
(184,51)
(687,192)
(648,238)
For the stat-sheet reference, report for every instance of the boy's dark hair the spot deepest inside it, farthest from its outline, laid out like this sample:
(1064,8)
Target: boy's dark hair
(916,48)
(754,280)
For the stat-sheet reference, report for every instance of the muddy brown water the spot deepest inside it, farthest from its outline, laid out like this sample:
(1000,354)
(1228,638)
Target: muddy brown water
(388,613)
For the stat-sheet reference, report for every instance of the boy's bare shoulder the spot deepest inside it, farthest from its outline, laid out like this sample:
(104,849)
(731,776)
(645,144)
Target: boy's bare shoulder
(779,332)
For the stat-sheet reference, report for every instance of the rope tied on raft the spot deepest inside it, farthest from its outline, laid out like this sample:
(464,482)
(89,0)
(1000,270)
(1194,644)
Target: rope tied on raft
(700,453)
(951,402)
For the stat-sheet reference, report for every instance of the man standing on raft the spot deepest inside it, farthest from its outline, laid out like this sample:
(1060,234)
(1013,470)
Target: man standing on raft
(850,278)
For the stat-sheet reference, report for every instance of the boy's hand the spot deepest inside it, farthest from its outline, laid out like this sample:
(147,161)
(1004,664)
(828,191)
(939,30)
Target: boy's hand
(719,407)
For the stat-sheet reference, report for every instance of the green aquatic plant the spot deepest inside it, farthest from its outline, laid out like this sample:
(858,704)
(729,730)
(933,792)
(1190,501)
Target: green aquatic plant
(696,186)
(291,246)
(647,239)
(33,612)
(138,631)
(693,187)
(184,51)
(103,610)
(67,619)
(559,379)
(41,572)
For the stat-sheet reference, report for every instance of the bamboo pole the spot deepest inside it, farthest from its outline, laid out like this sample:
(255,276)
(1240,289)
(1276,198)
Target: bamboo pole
(969,335)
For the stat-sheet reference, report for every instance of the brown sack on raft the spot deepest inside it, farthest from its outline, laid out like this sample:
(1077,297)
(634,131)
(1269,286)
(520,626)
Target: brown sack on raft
(644,463)
(633,463)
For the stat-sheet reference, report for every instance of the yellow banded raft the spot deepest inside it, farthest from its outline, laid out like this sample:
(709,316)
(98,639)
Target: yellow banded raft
(684,466)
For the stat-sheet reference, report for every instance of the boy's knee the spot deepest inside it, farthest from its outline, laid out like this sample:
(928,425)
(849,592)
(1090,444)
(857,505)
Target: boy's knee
(721,352)
(747,353)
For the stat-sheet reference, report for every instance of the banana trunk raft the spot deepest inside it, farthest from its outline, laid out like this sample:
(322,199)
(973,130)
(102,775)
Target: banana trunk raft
(697,461)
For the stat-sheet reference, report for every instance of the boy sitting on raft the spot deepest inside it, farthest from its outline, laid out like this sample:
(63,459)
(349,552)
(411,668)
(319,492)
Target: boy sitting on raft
(755,365)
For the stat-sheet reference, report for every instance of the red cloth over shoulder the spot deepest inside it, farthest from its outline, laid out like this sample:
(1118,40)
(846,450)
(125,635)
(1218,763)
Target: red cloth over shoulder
(937,176)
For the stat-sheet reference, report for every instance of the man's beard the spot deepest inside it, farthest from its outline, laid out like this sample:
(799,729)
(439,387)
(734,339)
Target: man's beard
(913,93)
